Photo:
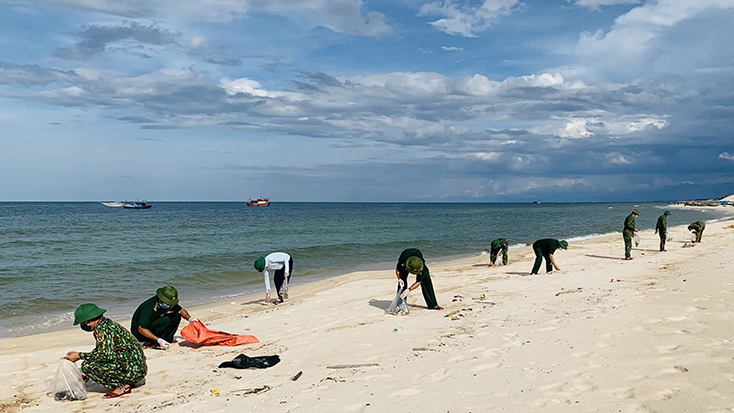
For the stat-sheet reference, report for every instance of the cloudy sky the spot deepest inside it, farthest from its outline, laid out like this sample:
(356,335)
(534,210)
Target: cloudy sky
(366,100)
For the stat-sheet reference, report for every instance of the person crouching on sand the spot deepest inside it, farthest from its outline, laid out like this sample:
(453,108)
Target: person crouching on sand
(117,361)
(411,261)
(282,264)
(545,248)
(697,228)
(497,246)
(156,320)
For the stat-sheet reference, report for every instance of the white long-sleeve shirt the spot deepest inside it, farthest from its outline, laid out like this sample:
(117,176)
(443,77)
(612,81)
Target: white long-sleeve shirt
(274,262)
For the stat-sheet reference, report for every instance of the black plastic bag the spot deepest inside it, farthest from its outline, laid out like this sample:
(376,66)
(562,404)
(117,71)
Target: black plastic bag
(244,362)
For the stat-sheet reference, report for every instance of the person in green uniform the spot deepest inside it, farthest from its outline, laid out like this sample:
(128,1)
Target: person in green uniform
(697,229)
(628,232)
(117,361)
(545,248)
(411,262)
(661,228)
(156,320)
(497,246)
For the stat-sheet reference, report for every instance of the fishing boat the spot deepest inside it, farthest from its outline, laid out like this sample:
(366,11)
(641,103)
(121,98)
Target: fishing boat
(115,204)
(136,205)
(258,202)
(536,202)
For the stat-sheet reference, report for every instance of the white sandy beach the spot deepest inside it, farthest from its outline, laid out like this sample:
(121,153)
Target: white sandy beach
(602,335)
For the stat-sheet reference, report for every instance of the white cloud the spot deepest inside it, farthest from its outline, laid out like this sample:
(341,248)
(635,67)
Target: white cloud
(345,16)
(575,129)
(726,156)
(467,20)
(665,36)
(488,157)
(198,42)
(617,159)
(598,4)
(452,48)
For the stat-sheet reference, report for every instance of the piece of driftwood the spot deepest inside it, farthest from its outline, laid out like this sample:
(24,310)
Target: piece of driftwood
(252,391)
(352,366)
(297,376)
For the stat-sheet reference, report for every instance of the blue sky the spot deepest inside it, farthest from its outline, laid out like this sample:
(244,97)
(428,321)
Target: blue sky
(348,100)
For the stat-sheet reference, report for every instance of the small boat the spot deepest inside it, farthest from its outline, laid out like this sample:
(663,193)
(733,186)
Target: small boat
(136,205)
(536,202)
(113,204)
(258,202)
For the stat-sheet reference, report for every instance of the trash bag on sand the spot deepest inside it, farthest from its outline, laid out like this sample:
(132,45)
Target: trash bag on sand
(398,305)
(197,333)
(244,362)
(68,383)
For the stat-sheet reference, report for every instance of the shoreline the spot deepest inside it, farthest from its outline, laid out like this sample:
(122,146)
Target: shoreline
(215,311)
(249,292)
(602,334)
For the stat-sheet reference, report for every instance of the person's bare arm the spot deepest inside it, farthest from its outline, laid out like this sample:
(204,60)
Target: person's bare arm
(553,261)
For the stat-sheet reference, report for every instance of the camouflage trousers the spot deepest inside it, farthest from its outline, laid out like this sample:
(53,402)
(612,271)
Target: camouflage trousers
(113,375)
(627,243)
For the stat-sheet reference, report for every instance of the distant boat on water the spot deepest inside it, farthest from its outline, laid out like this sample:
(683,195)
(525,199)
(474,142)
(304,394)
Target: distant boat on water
(137,205)
(113,204)
(258,202)
(536,202)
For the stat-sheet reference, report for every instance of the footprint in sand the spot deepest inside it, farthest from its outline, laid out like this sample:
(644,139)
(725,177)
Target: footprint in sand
(665,394)
(406,392)
(621,392)
(574,373)
(483,367)
(454,359)
(666,349)
(441,374)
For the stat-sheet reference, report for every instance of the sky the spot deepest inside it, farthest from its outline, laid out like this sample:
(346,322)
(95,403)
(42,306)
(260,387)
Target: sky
(366,101)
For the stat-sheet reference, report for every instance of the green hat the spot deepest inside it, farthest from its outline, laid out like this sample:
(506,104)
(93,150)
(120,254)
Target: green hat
(636,211)
(496,243)
(168,295)
(414,265)
(666,213)
(260,264)
(86,312)
(564,245)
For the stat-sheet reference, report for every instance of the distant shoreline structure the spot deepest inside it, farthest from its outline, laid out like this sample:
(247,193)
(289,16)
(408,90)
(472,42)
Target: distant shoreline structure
(724,201)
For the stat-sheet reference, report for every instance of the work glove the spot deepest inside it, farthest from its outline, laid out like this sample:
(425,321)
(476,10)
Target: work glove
(401,283)
(404,294)
(192,319)
(164,344)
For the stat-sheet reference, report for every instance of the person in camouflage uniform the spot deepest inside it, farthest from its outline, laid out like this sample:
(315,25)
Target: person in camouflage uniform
(628,232)
(697,228)
(544,249)
(411,261)
(661,228)
(117,361)
(498,245)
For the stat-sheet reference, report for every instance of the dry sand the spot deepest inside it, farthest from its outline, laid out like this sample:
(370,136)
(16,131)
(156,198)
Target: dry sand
(602,335)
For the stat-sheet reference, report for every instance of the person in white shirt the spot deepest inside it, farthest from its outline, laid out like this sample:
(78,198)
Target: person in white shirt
(282,264)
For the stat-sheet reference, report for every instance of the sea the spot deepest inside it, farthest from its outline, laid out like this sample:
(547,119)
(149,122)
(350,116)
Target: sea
(55,256)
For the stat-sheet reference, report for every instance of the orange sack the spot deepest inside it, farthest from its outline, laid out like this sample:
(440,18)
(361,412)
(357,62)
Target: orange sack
(197,333)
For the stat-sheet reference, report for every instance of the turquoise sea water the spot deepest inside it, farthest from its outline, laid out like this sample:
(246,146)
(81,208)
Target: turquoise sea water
(55,256)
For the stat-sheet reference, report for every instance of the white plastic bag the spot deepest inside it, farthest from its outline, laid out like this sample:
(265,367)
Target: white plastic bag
(668,237)
(68,383)
(398,305)
(636,237)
